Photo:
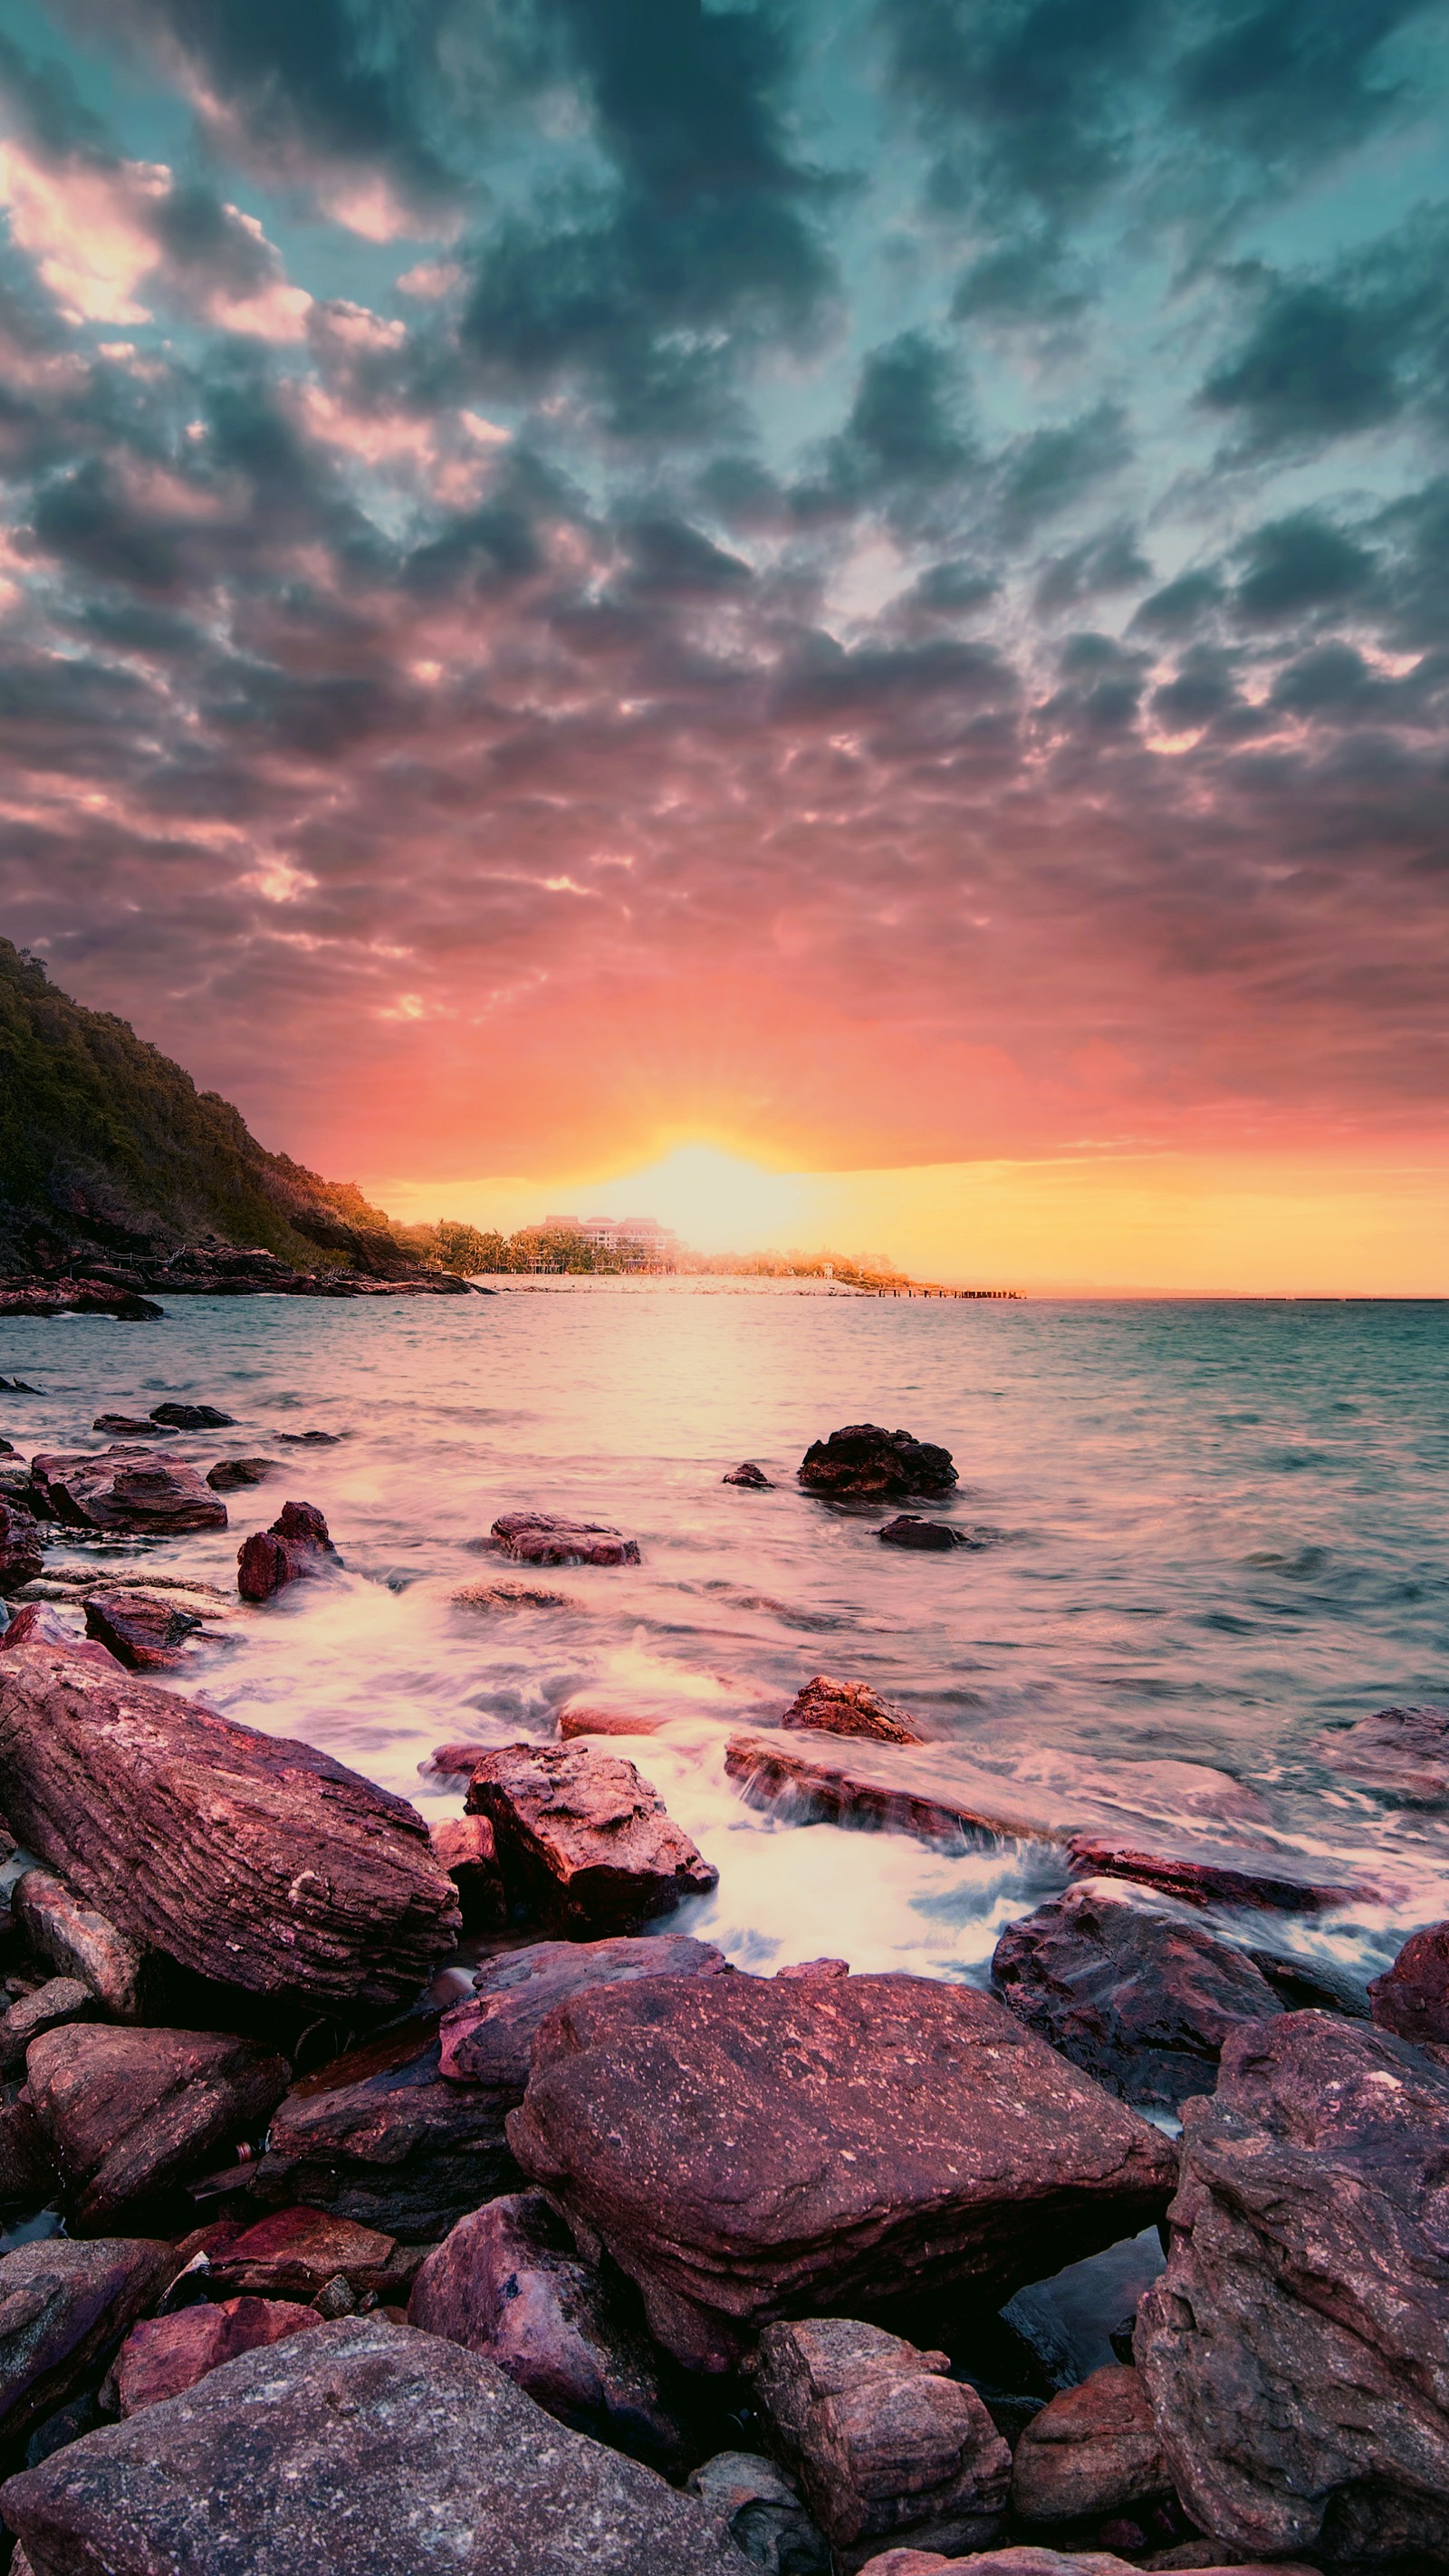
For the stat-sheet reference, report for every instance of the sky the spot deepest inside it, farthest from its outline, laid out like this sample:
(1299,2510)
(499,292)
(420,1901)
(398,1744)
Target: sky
(855,587)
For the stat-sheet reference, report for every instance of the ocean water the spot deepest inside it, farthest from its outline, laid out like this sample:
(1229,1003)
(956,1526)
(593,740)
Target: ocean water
(1208,1531)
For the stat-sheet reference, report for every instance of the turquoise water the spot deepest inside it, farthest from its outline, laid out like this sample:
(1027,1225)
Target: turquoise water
(1209,1531)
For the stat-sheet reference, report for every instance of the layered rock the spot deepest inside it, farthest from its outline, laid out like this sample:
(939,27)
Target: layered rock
(254,1860)
(145,1631)
(849,1708)
(128,2114)
(1412,1997)
(123,1488)
(81,1943)
(465,1850)
(296,1549)
(39,1623)
(881,2439)
(865,1463)
(295,2253)
(63,2305)
(1142,1999)
(547,1538)
(1091,2450)
(488,2040)
(751,2149)
(1203,1874)
(584,1844)
(165,2355)
(22,1549)
(1294,2350)
(59,2000)
(509,2282)
(361,2445)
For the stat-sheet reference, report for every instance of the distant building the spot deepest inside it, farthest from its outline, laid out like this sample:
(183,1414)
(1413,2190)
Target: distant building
(653,1246)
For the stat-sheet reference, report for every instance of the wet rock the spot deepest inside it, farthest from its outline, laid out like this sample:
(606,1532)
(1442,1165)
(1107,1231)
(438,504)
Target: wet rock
(584,1844)
(1090,2450)
(589,1716)
(80,1942)
(128,2114)
(22,1549)
(465,1850)
(896,1788)
(1209,1874)
(1402,1749)
(881,2440)
(508,2282)
(126,1489)
(311,1439)
(144,1631)
(1142,1999)
(295,1549)
(60,1999)
(456,1761)
(254,1860)
(762,2512)
(488,2040)
(1293,2349)
(932,1538)
(377,2136)
(544,1538)
(849,1708)
(294,2253)
(361,2445)
(165,2355)
(1312,1985)
(80,1297)
(127,1426)
(229,1475)
(754,2148)
(1412,1997)
(39,1623)
(749,1475)
(863,1462)
(63,2303)
(506,1595)
(192,1417)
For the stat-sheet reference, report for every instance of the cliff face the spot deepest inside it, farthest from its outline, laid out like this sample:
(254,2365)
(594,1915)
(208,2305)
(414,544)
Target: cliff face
(107,1146)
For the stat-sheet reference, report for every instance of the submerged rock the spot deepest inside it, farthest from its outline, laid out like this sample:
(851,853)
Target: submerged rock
(488,2040)
(1402,1749)
(749,1475)
(312,1439)
(229,1475)
(80,1942)
(254,1860)
(295,1549)
(63,2303)
(755,2148)
(932,1538)
(128,2114)
(130,1426)
(1208,1873)
(865,1463)
(144,1631)
(165,2355)
(544,1538)
(849,1708)
(504,1594)
(584,1844)
(125,1489)
(192,1417)
(22,1549)
(1412,1997)
(1090,2450)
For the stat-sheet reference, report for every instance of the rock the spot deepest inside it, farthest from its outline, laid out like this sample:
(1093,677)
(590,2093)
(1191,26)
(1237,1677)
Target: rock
(935,1538)
(129,1426)
(456,1761)
(312,1439)
(377,2136)
(129,2114)
(294,2253)
(125,1489)
(1140,1998)
(1412,1997)
(1014,2562)
(816,1968)
(60,1999)
(22,1550)
(40,1624)
(749,1475)
(168,2354)
(294,1549)
(542,1538)
(508,2282)
(1091,2449)
(144,1631)
(753,2148)
(585,1716)
(583,1843)
(849,1708)
(895,1788)
(1312,1985)
(1293,2349)
(63,2304)
(362,2445)
(506,1595)
(1402,1749)
(488,2040)
(762,2512)
(83,1297)
(1207,1874)
(881,2440)
(230,1474)
(26,2172)
(464,1849)
(255,1861)
(865,1462)
(80,1942)
(192,1417)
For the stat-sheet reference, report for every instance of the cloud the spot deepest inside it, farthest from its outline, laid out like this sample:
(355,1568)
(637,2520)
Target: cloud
(1291,567)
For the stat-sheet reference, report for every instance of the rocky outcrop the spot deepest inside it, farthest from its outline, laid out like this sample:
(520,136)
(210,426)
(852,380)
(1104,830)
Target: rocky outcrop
(881,2439)
(192,1417)
(124,1488)
(296,1549)
(295,2253)
(585,1846)
(254,1860)
(761,2510)
(1141,1998)
(508,2282)
(165,2355)
(865,1463)
(546,1538)
(63,2304)
(39,1623)
(1294,2349)
(1412,1997)
(128,2114)
(465,1850)
(1208,1874)
(753,1478)
(230,1475)
(488,2040)
(1091,2450)
(757,2148)
(81,1943)
(46,1298)
(849,1708)
(361,2445)
(1405,1750)
(59,2000)
(145,1631)
(929,1538)
(22,1549)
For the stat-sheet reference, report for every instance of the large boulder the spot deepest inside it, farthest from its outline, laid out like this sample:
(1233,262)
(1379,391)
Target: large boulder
(124,1488)
(296,1548)
(849,1708)
(145,1631)
(1296,2349)
(1412,1997)
(584,1844)
(1405,1750)
(544,1538)
(865,1463)
(164,2355)
(1091,2450)
(509,2282)
(63,2304)
(254,1860)
(881,2439)
(1142,1998)
(488,2039)
(128,2114)
(80,1943)
(361,2445)
(22,1549)
(753,2148)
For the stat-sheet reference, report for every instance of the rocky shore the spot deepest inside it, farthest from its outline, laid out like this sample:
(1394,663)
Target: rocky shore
(584,2249)
(129,1290)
